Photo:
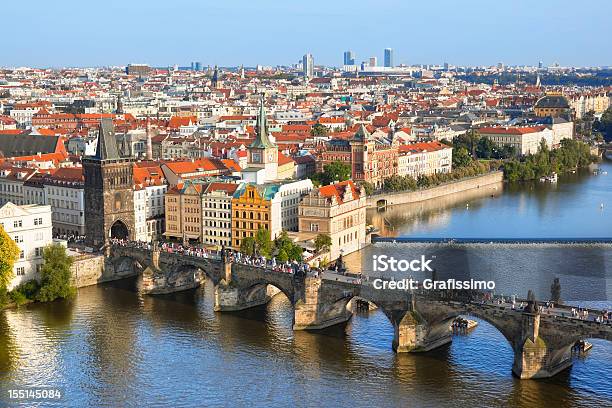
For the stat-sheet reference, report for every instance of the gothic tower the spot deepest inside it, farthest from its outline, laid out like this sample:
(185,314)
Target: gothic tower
(262,152)
(215,78)
(109,195)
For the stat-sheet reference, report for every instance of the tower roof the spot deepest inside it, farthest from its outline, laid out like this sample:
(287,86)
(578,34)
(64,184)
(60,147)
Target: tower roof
(362,133)
(262,141)
(107,143)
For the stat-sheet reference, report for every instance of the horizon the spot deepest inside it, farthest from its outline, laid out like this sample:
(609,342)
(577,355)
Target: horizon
(239,32)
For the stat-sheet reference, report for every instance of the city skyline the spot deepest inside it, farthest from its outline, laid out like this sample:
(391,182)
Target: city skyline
(463,35)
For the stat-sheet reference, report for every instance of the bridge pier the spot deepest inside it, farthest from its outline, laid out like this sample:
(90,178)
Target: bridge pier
(533,357)
(413,334)
(313,312)
(229,298)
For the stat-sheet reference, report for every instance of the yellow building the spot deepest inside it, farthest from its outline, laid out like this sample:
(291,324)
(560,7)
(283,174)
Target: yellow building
(183,212)
(552,105)
(252,209)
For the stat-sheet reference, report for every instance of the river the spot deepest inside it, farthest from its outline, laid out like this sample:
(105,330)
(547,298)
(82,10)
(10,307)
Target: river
(111,347)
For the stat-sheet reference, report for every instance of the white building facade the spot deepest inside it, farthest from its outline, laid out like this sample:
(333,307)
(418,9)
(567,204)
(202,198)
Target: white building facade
(31,228)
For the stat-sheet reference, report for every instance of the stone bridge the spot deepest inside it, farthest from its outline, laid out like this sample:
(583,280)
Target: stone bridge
(541,342)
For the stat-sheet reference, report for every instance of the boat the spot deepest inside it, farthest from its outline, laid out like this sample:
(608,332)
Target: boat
(582,347)
(549,179)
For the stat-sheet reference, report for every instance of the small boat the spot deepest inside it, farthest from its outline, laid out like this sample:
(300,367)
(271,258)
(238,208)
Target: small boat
(549,179)
(582,347)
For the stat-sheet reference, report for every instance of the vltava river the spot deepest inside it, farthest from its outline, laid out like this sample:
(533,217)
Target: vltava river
(111,347)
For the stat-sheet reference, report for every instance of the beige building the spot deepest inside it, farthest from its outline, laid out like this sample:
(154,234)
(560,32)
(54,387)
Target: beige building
(526,139)
(424,159)
(338,210)
(184,212)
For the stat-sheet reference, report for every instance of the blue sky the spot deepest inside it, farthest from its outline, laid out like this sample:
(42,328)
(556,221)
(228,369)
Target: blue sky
(231,32)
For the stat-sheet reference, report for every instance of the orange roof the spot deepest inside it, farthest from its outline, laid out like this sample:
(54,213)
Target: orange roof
(282,159)
(337,190)
(231,164)
(178,121)
(423,147)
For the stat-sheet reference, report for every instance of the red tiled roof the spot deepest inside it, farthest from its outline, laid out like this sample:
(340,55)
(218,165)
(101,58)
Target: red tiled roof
(337,190)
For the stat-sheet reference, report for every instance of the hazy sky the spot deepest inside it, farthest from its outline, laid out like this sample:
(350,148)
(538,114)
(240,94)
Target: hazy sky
(232,32)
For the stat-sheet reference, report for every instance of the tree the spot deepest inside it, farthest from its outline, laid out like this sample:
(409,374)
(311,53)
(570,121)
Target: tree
(484,149)
(248,246)
(264,243)
(605,123)
(322,242)
(335,171)
(461,157)
(287,249)
(318,130)
(555,291)
(55,274)
(8,253)
(282,256)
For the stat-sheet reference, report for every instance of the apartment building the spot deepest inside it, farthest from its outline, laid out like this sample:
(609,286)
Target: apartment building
(30,227)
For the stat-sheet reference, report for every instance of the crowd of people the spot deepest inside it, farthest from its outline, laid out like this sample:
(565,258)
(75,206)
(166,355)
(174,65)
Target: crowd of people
(292,267)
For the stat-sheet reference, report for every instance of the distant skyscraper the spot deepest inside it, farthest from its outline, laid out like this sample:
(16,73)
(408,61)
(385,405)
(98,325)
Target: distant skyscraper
(349,58)
(446,66)
(540,65)
(388,57)
(198,66)
(308,65)
(373,61)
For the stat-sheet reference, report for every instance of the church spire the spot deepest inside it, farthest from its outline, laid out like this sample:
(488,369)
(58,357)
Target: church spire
(262,141)
(215,78)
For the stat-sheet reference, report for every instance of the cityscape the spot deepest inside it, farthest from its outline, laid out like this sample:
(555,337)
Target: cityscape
(198,233)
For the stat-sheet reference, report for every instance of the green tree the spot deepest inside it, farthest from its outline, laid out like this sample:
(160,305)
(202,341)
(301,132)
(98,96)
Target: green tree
(55,274)
(285,246)
(605,123)
(282,256)
(248,246)
(318,130)
(322,242)
(264,243)
(8,253)
(461,157)
(335,171)
(484,149)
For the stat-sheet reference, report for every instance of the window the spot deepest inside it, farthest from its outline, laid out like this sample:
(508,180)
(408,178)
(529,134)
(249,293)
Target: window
(314,227)
(21,254)
(17,224)
(20,271)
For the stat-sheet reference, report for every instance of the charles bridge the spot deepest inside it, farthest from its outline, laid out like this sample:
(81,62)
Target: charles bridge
(542,341)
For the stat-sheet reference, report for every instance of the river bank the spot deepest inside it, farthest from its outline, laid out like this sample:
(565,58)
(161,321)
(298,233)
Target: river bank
(408,197)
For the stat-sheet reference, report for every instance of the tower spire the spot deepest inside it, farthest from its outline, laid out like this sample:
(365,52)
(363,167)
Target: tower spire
(262,140)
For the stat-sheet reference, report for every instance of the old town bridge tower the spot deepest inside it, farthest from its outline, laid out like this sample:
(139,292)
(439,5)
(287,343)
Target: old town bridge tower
(109,196)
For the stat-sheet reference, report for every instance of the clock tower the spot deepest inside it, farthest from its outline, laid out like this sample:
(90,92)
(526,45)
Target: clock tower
(262,152)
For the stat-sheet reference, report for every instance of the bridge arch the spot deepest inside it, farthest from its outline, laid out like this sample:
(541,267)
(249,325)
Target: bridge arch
(260,284)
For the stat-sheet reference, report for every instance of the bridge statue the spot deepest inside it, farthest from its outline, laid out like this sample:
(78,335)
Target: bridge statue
(541,338)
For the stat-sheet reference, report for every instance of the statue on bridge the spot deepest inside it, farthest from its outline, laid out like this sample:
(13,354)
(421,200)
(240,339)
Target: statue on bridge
(532,304)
